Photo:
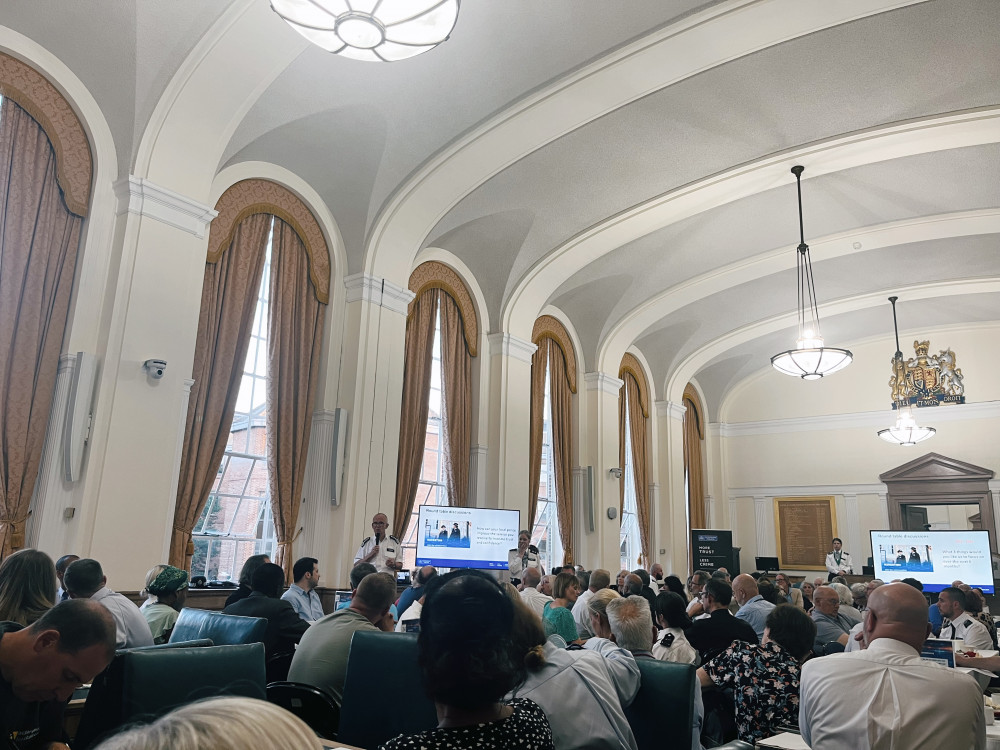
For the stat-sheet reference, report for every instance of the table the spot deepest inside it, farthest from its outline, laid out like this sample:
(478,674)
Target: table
(993,737)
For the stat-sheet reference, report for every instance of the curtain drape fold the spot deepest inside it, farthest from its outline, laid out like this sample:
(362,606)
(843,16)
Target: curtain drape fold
(456,405)
(693,436)
(39,240)
(415,404)
(294,345)
(228,301)
(536,421)
(560,399)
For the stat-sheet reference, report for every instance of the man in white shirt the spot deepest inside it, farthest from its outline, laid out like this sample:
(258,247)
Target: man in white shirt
(886,696)
(383,551)
(85,579)
(656,578)
(599,579)
(530,594)
(959,624)
(838,562)
(302,594)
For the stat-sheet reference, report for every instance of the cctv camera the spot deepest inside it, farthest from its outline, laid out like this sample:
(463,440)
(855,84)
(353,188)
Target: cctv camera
(155,368)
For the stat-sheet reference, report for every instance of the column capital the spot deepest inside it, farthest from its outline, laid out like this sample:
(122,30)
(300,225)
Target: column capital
(600,381)
(670,409)
(137,195)
(503,344)
(361,287)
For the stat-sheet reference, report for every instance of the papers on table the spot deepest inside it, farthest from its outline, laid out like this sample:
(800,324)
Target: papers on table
(787,741)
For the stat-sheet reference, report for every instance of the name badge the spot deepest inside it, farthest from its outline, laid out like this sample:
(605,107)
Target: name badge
(390,551)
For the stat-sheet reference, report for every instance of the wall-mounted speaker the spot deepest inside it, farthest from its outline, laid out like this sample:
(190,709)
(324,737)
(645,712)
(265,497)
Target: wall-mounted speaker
(339,457)
(76,429)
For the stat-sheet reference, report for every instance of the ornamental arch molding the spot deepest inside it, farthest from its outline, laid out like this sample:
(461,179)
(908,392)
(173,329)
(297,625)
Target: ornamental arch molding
(436,275)
(631,365)
(549,327)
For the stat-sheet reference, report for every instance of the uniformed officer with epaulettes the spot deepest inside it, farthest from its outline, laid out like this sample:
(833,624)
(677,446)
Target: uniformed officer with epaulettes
(383,551)
(523,556)
(838,562)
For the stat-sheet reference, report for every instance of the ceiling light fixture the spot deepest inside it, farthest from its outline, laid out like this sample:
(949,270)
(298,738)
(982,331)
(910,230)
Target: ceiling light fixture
(906,431)
(809,360)
(371,30)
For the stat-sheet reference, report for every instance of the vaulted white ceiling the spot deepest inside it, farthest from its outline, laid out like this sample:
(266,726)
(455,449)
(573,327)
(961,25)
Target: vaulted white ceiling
(627,163)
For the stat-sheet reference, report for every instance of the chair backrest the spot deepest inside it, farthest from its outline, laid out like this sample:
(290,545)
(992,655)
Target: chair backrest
(314,706)
(376,661)
(222,630)
(664,706)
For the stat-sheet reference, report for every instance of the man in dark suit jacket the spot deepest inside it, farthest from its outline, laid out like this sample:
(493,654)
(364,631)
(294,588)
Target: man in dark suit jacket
(713,634)
(284,626)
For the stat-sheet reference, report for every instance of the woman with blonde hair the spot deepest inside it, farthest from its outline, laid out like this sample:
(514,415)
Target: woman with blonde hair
(219,724)
(27,586)
(597,606)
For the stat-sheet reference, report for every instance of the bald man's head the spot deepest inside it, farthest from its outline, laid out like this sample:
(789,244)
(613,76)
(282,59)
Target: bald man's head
(744,588)
(531,578)
(897,611)
(633,584)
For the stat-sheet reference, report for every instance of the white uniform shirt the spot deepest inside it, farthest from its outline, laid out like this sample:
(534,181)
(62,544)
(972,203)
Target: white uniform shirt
(581,614)
(388,549)
(678,650)
(967,628)
(887,698)
(845,563)
(516,562)
(410,614)
(535,599)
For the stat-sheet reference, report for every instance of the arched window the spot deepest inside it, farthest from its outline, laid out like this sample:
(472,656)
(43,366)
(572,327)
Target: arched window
(45,182)
(694,472)
(633,416)
(550,463)
(264,297)
(435,437)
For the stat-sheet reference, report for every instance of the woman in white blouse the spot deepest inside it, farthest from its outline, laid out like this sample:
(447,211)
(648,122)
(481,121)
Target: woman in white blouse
(672,620)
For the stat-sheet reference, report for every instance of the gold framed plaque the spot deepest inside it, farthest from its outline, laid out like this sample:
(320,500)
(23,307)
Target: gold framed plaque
(804,527)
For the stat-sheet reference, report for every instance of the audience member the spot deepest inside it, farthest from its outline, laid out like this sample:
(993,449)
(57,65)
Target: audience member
(358,573)
(547,585)
(61,564)
(27,586)
(167,592)
(958,624)
(415,610)
(556,615)
(722,574)
(671,643)
(632,626)
(302,593)
(769,592)
(831,625)
(583,576)
(846,599)
(413,591)
(147,598)
(284,626)
(246,578)
(754,609)
(620,582)
(530,594)
(859,595)
(41,665)
(819,581)
(673,583)
(695,585)
(886,695)
(599,579)
(975,603)
(583,691)
(85,579)
(714,633)
(598,608)
(321,658)
(765,678)
(656,579)
(219,724)
(807,595)
(469,662)
(646,592)
(788,592)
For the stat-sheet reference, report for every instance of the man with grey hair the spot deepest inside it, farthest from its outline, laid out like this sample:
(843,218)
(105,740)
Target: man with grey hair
(530,594)
(632,625)
(599,579)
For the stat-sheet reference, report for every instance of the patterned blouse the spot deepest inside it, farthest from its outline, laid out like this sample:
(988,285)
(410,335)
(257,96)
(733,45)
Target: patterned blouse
(525,729)
(765,682)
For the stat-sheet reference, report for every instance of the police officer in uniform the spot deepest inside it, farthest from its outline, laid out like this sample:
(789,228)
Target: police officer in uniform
(383,551)
(522,557)
(838,562)
(959,624)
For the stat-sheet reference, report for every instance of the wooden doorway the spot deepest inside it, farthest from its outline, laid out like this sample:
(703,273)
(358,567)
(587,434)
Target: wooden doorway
(915,518)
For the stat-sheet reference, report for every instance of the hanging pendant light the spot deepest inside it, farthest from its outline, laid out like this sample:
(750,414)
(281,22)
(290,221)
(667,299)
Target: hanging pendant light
(809,360)
(371,30)
(905,431)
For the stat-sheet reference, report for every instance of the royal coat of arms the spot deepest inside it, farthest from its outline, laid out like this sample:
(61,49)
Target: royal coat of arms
(926,380)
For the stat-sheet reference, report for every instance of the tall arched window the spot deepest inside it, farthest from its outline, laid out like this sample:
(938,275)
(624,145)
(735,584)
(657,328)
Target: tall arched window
(260,332)
(633,450)
(694,472)
(550,462)
(45,183)
(435,433)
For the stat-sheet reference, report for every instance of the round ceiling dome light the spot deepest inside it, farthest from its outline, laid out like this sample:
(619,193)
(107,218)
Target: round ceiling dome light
(371,30)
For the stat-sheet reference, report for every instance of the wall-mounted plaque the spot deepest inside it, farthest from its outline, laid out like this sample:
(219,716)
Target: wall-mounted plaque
(804,527)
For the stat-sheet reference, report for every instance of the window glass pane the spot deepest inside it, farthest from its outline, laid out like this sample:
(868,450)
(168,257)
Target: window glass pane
(545,532)
(631,548)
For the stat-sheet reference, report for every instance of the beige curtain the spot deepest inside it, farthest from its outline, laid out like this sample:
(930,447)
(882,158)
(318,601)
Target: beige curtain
(693,435)
(39,238)
(628,399)
(622,406)
(536,420)
(416,394)
(562,447)
(456,402)
(228,301)
(294,345)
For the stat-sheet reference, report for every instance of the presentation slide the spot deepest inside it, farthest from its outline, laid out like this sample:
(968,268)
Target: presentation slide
(935,558)
(466,537)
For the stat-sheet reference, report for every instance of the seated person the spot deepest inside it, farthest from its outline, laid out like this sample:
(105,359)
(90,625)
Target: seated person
(531,579)
(958,623)
(754,608)
(167,592)
(469,663)
(765,677)
(27,586)
(85,579)
(846,601)
(41,665)
(597,608)
(557,615)
(632,625)
(302,593)
(714,633)
(358,573)
(411,617)
(246,578)
(284,626)
(583,692)
(321,658)
(219,724)
(671,643)
(831,626)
